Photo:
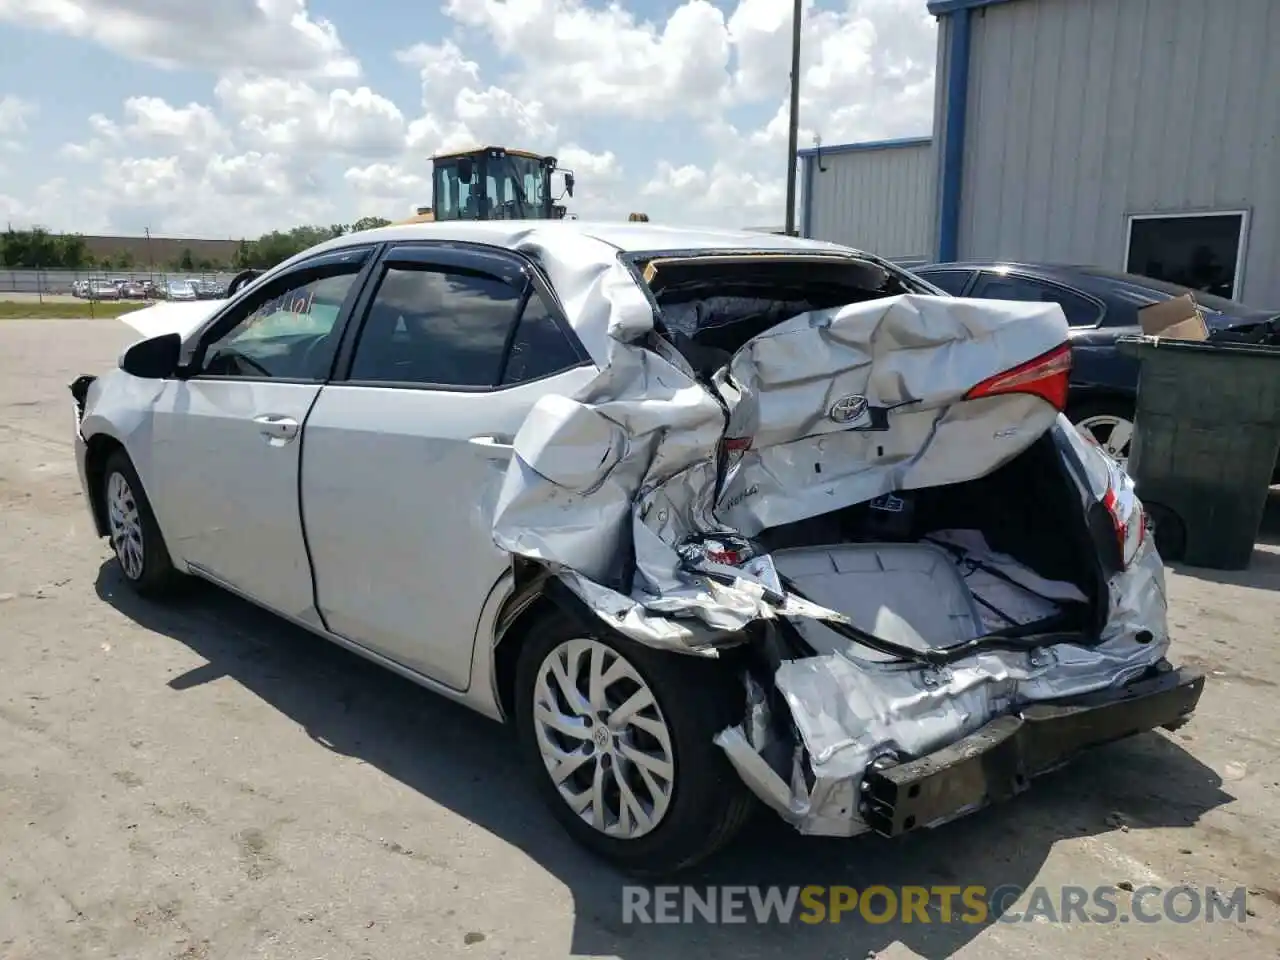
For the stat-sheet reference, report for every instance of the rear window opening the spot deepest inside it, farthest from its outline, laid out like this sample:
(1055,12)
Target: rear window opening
(711,305)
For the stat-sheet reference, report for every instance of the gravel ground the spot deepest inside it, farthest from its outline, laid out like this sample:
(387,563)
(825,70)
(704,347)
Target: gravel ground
(203,781)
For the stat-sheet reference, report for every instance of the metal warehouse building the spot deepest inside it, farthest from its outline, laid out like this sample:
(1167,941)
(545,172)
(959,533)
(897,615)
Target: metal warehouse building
(1141,135)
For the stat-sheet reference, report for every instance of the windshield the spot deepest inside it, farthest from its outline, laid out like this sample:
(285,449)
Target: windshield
(514,188)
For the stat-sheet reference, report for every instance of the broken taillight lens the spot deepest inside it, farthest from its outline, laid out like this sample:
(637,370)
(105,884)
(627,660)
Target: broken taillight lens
(1045,377)
(1130,521)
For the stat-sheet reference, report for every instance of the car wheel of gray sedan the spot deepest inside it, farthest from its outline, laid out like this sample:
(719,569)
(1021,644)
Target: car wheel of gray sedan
(135,536)
(619,739)
(1109,424)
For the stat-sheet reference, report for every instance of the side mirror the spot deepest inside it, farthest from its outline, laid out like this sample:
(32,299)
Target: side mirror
(155,358)
(466,169)
(568,184)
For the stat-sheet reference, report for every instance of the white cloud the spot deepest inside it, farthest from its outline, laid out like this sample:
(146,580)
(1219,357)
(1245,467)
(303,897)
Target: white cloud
(153,123)
(14,112)
(606,61)
(602,168)
(287,135)
(460,112)
(276,35)
(276,113)
(704,195)
(387,190)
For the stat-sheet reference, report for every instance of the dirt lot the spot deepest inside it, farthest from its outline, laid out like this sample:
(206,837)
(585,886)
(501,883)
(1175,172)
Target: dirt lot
(205,782)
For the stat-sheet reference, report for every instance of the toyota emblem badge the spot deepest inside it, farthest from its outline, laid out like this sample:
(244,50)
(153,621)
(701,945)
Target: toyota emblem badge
(848,409)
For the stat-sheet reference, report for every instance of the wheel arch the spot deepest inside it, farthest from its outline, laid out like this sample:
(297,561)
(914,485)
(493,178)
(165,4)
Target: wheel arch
(98,449)
(532,593)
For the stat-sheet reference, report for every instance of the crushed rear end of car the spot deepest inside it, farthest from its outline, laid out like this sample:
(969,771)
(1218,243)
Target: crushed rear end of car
(868,503)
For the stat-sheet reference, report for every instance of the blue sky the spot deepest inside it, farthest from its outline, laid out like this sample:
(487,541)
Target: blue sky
(255,114)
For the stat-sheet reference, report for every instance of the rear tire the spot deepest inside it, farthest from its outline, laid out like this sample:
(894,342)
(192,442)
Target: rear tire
(673,823)
(135,535)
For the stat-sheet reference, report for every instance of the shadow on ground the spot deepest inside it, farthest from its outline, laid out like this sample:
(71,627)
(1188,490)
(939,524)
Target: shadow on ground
(1263,572)
(467,764)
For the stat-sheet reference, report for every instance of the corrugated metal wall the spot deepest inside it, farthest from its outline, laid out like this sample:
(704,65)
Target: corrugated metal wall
(1082,112)
(878,200)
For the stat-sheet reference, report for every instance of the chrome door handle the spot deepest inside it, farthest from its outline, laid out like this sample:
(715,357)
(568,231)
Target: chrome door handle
(495,448)
(275,427)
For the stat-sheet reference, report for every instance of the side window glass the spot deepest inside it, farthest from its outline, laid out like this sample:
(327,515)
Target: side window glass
(952,281)
(539,347)
(1080,311)
(435,327)
(287,329)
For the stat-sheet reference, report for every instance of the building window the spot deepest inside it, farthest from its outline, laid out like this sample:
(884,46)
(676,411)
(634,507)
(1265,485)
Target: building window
(1200,251)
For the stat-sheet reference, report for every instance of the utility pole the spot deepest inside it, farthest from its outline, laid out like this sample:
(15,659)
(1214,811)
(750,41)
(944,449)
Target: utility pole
(793,131)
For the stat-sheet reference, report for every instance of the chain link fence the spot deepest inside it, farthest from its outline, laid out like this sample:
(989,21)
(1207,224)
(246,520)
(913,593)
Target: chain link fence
(63,282)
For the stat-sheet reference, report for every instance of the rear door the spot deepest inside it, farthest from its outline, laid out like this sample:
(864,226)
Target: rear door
(404,453)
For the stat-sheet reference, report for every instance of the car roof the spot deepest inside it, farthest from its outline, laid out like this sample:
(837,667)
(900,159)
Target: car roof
(575,254)
(626,236)
(1053,271)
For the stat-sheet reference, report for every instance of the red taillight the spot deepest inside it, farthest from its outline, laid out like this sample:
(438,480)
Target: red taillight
(1046,377)
(1131,527)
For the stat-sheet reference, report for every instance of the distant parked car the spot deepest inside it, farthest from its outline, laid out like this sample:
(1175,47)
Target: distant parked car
(103,290)
(132,290)
(1101,306)
(179,290)
(207,290)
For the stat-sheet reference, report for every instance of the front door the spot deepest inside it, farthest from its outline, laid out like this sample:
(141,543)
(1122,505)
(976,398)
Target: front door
(403,459)
(226,440)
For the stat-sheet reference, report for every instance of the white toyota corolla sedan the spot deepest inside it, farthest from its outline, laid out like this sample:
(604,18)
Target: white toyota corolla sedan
(716,520)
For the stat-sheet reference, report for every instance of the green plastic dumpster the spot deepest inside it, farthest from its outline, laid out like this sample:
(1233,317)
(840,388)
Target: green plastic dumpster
(1205,443)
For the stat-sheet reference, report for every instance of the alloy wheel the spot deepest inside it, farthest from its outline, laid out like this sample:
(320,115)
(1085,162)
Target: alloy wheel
(125,524)
(603,738)
(1112,433)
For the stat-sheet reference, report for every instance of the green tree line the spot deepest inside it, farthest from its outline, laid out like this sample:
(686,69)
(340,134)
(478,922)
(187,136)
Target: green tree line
(41,249)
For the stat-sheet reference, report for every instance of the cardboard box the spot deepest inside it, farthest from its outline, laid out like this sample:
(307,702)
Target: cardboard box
(1176,319)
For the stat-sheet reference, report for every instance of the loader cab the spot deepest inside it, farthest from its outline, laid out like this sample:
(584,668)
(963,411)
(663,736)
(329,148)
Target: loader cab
(494,183)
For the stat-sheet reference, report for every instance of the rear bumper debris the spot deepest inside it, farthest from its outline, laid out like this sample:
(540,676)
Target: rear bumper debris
(999,760)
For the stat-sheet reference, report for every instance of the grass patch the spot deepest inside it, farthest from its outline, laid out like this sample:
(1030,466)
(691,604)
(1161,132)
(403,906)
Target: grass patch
(80,309)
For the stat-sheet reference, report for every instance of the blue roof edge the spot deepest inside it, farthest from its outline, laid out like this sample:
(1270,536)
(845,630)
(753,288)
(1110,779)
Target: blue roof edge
(828,149)
(940,8)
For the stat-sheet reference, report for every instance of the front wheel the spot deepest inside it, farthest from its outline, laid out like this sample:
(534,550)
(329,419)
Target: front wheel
(135,535)
(619,739)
